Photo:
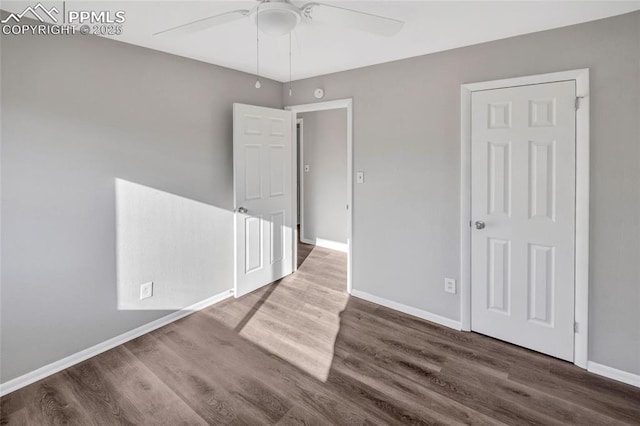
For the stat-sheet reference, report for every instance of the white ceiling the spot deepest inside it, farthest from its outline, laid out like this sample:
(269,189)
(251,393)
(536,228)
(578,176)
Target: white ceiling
(319,49)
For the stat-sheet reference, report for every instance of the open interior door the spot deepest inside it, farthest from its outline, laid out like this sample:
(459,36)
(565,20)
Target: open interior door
(263,196)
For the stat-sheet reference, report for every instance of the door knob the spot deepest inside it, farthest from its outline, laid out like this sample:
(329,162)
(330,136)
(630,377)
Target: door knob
(242,210)
(479,224)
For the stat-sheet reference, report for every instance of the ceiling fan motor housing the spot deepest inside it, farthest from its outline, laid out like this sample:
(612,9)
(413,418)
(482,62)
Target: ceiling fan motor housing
(277,18)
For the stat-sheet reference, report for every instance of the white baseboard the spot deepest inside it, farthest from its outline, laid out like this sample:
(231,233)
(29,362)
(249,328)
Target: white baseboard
(613,373)
(54,367)
(593,367)
(447,322)
(332,245)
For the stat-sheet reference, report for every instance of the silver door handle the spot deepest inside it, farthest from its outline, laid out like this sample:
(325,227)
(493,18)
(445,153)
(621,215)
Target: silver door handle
(242,210)
(479,224)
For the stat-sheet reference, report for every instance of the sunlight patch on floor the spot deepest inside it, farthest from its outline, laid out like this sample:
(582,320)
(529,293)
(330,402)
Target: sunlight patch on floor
(297,318)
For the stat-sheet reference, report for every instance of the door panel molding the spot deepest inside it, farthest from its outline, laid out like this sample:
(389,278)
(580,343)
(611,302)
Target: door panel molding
(545,114)
(263,158)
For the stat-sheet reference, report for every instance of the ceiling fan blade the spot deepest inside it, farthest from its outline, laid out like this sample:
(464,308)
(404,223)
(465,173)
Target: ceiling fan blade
(205,23)
(334,15)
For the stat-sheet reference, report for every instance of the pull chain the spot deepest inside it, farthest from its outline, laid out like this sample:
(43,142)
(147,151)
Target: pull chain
(290,90)
(258,85)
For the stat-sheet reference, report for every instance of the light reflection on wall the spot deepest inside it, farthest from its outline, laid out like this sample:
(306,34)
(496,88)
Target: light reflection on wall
(184,247)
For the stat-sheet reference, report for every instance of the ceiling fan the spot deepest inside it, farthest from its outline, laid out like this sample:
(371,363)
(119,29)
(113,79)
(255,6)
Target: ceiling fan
(280,17)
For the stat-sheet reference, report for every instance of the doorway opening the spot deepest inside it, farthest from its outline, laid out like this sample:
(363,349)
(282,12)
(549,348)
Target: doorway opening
(324,144)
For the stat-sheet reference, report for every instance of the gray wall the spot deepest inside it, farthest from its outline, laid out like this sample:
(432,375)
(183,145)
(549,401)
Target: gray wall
(77,113)
(407,140)
(325,185)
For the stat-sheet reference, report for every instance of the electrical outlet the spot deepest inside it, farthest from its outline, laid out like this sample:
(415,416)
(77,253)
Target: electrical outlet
(360,177)
(146,290)
(307,168)
(450,285)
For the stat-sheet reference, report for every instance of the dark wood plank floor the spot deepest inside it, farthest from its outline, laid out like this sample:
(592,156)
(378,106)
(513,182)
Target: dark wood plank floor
(301,351)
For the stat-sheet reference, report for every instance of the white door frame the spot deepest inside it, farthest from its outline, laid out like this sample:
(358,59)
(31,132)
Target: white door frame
(324,106)
(300,171)
(581,77)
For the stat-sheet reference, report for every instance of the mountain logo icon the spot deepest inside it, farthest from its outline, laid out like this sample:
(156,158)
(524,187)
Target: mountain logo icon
(38,11)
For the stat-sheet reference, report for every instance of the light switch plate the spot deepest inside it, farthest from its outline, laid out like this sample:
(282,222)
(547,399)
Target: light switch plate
(359,177)
(307,168)
(450,285)
(146,290)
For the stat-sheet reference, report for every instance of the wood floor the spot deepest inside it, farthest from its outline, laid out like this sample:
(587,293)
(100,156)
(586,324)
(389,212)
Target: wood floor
(302,352)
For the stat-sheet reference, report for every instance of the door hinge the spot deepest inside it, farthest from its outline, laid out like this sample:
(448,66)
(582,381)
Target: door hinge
(577,102)
(575,327)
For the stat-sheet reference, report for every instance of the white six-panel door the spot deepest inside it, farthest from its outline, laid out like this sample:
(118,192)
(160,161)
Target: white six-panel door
(263,196)
(523,215)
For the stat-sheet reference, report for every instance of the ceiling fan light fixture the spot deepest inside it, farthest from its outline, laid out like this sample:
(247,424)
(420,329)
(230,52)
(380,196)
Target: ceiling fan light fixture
(277,18)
